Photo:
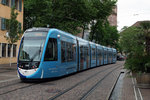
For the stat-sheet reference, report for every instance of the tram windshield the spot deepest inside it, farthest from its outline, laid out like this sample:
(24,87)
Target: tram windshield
(32,46)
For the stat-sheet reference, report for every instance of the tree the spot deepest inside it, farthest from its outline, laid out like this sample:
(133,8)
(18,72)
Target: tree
(67,15)
(145,30)
(103,10)
(131,41)
(14,28)
(133,44)
(72,16)
(37,13)
(111,36)
(105,34)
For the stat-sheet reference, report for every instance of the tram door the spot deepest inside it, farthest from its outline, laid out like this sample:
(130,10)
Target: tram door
(77,55)
(100,57)
(87,57)
(81,57)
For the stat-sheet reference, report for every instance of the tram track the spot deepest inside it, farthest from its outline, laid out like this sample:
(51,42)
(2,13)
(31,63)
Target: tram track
(12,90)
(20,85)
(9,85)
(7,71)
(96,85)
(79,83)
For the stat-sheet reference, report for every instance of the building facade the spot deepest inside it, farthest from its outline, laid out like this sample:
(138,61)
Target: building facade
(8,52)
(113,17)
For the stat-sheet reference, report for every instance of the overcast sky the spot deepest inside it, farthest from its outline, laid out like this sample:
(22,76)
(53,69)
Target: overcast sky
(131,11)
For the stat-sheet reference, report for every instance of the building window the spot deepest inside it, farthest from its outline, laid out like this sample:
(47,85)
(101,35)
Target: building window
(12,3)
(3,24)
(7,2)
(0,50)
(14,50)
(16,4)
(9,50)
(3,2)
(19,27)
(3,49)
(20,5)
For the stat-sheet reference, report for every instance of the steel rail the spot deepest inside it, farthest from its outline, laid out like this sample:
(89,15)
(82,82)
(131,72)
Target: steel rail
(65,91)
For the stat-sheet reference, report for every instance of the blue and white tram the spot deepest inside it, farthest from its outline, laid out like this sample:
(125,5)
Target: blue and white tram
(47,53)
(93,54)
(99,55)
(110,55)
(105,59)
(114,55)
(84,54)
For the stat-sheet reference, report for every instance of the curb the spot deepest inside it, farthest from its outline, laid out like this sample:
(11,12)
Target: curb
(113,86)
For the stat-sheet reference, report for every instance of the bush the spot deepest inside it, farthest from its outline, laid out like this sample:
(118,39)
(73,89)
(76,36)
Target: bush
(133,43)
(138,63)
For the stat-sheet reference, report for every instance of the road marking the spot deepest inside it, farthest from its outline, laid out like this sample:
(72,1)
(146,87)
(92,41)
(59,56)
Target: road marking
(134,89)
(140,94)
(137,92)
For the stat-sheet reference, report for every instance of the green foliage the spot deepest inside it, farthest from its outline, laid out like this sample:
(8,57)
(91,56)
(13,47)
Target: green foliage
(111,36)
(68,15)
(104,34)
(14,31)
(145,28)
(138,63)
(37,13)
(101,31)
(133,43)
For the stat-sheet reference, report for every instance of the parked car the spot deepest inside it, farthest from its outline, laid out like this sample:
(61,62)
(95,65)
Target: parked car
(120,57)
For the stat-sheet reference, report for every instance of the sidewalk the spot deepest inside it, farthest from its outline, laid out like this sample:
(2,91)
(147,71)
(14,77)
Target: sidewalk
(8,73)
(130,90)
(8,67)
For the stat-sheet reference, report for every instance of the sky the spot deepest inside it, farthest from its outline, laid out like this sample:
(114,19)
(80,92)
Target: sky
(131,11)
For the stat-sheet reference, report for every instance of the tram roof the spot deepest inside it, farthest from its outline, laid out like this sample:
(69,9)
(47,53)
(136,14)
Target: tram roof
(38,29)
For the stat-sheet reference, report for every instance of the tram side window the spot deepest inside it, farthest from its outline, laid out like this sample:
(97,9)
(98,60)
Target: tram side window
(81,52)
(86,52)
(93,54)
(68,52)
(74,51)
(101,56)
(98,53)
(115,55)
(51,50)
(63,51)
(105,56)
(71,52)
